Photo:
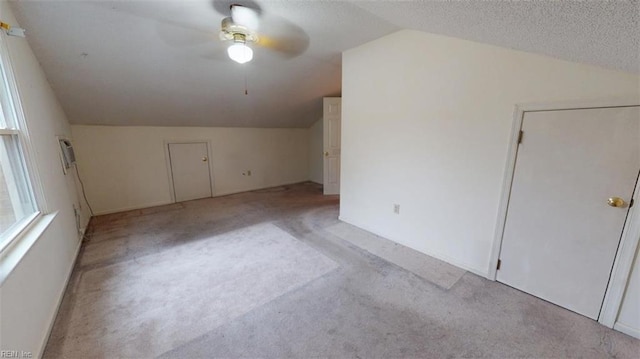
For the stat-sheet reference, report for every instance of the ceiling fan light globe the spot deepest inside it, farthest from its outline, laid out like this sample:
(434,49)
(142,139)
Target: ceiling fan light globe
(240,53)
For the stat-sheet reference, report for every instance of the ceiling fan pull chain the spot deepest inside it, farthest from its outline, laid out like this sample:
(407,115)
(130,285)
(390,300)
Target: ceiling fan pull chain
(246,92)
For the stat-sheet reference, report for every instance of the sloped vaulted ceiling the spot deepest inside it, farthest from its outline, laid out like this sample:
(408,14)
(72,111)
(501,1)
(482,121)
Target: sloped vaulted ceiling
(161,63)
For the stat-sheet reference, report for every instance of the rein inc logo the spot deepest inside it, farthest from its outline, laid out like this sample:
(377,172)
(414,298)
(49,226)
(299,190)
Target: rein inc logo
(15,354)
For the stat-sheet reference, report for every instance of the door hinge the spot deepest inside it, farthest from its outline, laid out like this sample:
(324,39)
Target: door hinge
(631,203)
(520,135)
(499,263)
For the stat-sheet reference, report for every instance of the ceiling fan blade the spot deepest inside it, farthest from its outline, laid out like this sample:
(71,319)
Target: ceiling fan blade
(175,23)
(244,16)
(287,47)
(282,36)
(177,35)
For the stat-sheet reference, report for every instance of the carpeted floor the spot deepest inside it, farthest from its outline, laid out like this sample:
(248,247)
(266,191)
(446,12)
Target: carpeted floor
(273,273)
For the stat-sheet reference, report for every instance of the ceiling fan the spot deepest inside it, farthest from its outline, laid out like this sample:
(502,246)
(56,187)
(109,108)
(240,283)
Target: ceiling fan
(248,26)
(240,28)
(245,27)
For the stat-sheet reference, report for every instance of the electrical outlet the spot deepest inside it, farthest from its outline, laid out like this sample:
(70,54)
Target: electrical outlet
(396,208)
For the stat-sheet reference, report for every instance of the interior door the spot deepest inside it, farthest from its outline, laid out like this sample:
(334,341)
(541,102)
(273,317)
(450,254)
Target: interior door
(332,117)
(561,233)
(190,170)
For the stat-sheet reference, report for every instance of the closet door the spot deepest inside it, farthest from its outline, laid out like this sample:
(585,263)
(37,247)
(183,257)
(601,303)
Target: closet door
(190,170)
(574,177)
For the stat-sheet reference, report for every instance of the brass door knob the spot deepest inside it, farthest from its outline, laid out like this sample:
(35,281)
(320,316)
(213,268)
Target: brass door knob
(326,154)
(204,159)
(616,202)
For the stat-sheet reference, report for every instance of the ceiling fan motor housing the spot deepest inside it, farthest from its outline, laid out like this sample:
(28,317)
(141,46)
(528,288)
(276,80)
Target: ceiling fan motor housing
(235,32)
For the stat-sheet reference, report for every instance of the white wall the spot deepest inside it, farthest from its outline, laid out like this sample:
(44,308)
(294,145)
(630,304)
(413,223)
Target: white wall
(426,123)
(30,294)
(125,167)
(316,159)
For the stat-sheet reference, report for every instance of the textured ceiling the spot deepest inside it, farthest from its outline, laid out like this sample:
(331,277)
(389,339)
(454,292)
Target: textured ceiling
(160,62)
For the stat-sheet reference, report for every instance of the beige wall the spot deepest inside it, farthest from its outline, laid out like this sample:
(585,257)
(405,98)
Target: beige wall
(30,294)
(125,167)
(426,124)
(316,159)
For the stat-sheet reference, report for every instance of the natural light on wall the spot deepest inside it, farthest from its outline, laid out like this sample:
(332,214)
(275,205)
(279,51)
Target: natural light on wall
(17,203)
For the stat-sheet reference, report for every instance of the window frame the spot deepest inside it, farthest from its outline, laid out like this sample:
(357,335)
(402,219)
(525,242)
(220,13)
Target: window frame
(20,130)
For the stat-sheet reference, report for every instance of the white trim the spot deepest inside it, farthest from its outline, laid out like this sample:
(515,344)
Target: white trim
(16,231)
(32,185)
(576,105)
(634,332)
(164,203)
(167,158)
(622,265)
(26,145)
(132,208)
(506,192)
(433,254)
(631,232)
(12,255)
(54,314)
(228,193)
(15,180)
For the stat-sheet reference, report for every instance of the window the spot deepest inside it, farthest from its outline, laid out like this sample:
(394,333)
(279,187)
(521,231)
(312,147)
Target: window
(17,201)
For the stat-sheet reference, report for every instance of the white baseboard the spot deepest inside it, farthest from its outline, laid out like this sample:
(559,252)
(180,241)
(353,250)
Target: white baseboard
(217,194)
(228,193)
(52,319)
(634,332)
(440,256)
(131,208)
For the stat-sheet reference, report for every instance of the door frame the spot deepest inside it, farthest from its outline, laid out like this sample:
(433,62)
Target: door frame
(167,158)
(326,143)
(630,238)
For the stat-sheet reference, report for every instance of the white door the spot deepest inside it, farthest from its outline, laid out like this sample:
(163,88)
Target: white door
(332,121)
(190,170)
(561,235)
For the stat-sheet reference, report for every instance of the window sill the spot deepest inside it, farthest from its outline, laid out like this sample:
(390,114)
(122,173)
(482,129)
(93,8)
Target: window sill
(11,256)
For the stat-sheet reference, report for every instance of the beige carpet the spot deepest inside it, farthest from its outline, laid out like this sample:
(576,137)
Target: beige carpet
(137,308)
(275,274)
